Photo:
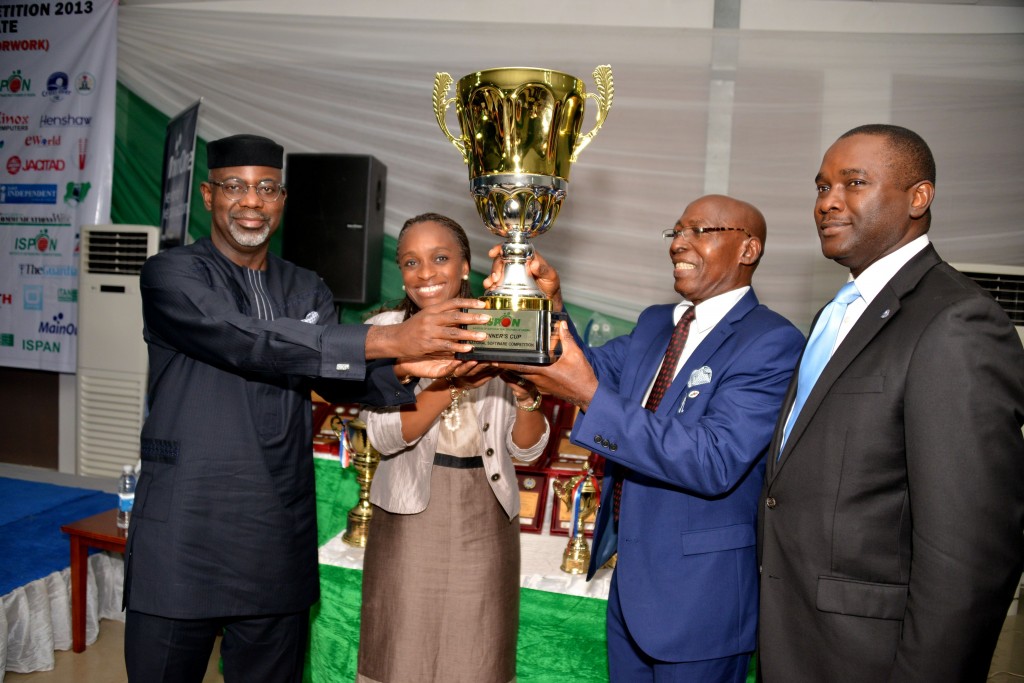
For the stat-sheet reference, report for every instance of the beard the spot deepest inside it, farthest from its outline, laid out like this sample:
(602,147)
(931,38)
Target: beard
(250,238)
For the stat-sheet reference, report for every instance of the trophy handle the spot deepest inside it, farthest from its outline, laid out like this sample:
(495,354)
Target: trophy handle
(604,96)
(443,81)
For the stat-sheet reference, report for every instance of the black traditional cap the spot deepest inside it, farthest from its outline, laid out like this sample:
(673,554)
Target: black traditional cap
(244,150)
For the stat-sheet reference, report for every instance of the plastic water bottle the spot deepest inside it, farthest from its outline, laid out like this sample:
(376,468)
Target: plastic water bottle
(125,496)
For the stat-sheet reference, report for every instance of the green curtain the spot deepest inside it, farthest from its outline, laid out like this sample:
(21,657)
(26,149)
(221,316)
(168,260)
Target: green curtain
(138,161)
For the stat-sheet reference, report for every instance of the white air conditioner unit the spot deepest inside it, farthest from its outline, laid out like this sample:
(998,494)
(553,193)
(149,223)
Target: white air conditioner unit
(1005,284)
(112,357)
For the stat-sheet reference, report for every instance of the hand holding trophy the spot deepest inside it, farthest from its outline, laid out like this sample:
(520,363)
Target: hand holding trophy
(520,135)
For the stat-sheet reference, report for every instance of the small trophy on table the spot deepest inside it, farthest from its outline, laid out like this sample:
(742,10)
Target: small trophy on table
(581,494)
(355,449)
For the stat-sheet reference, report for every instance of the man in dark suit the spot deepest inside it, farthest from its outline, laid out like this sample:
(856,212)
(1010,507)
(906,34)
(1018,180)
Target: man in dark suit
(684,427)
(223,534)
(892,515)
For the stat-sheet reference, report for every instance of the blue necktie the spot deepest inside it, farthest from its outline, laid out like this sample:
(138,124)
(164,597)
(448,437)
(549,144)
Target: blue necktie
(819,350)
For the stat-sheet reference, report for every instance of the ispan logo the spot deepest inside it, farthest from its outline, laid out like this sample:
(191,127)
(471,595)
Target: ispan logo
(57,86)
(40,345)
(40,243)
(16,85)
(56,325)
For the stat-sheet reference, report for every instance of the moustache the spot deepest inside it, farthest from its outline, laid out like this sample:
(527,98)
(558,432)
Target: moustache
(250,216)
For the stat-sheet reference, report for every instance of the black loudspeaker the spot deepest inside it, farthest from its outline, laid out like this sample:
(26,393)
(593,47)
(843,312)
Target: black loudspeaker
(334,221)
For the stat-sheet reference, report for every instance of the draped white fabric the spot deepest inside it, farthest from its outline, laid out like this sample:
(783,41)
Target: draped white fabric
(35,619)
(743,112)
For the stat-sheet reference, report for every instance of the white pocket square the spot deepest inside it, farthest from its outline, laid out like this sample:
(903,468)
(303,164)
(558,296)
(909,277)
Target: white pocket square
(701,375)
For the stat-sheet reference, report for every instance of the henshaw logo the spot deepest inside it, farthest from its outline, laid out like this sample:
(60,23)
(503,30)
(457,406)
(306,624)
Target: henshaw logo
(66,121)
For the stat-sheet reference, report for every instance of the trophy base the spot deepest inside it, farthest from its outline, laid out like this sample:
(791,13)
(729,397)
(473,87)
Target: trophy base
(358,528)
(519,331)
(576,557)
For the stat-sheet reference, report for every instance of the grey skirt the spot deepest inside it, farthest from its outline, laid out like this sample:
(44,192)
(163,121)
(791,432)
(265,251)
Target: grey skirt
(441,588)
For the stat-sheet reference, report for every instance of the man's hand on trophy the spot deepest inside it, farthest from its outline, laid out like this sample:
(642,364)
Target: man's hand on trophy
(434,332)
(543,273)
(570,377)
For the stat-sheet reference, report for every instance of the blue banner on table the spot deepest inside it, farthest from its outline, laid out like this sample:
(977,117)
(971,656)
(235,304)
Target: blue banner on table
(57,88)
(179,157)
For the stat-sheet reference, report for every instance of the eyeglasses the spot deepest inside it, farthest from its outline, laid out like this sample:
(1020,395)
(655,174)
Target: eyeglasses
(691,234)
(234,189)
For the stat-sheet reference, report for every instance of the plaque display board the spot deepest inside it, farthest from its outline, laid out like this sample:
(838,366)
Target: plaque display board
(533,493)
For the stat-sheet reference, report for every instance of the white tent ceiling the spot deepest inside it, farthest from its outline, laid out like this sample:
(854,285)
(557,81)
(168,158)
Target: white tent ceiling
(745,110)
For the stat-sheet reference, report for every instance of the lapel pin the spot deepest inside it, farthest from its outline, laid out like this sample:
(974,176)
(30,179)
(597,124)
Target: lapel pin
(885,313)
(694,394)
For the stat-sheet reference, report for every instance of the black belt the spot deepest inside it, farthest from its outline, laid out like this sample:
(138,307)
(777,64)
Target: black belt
(445,460)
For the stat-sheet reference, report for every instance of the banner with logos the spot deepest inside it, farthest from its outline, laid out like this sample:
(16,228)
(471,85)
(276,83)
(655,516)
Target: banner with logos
(57,92)
(179,154)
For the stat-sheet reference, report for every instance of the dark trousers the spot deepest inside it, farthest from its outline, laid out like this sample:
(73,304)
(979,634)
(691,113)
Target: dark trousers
(264,649)
(628,663)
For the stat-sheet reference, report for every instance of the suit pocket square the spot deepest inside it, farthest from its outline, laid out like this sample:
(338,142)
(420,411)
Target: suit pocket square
(701,375)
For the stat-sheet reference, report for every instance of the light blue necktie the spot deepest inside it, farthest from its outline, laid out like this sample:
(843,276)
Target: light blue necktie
(819,350)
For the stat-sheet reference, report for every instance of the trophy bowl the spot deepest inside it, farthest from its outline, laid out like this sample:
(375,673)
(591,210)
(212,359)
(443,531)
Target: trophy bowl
(520,136)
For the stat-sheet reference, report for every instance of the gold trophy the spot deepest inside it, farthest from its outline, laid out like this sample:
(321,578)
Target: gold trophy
(581,496)
(355,450)
(520,134)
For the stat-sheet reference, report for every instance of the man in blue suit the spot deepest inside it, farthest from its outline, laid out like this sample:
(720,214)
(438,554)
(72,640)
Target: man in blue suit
(688,472)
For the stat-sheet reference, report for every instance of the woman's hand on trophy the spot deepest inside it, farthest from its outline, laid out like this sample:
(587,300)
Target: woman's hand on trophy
(543,273)
(434,332)
(570,377)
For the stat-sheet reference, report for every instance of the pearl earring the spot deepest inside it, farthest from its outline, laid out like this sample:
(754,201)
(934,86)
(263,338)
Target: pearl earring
(403,288)
(466,276)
